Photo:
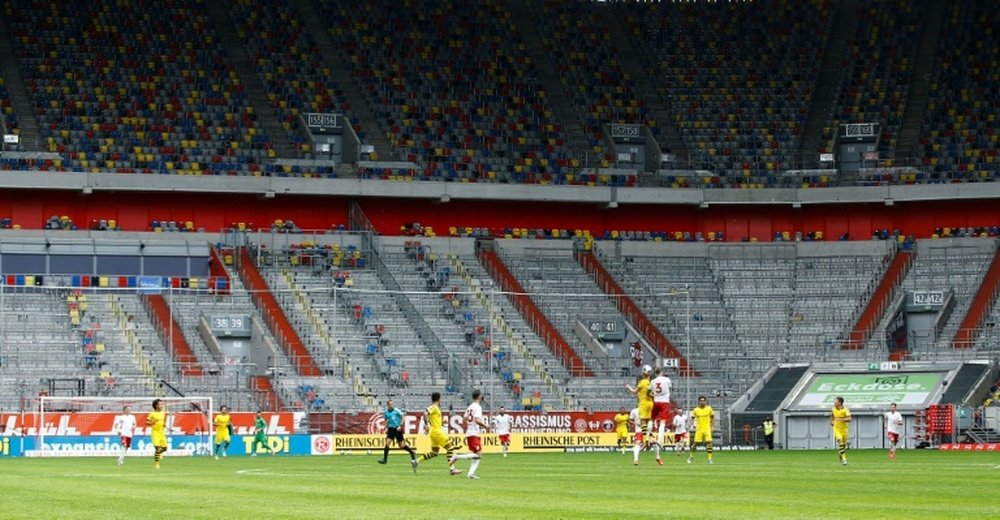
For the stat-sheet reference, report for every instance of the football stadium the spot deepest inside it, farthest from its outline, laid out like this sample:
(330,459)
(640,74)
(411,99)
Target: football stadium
(499,258)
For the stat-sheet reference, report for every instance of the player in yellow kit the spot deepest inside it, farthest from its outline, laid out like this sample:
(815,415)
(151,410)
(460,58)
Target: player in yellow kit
(644,399)
(621,429)
(435,430)
(222,425)
(840,419)
(703,416)
(157,421)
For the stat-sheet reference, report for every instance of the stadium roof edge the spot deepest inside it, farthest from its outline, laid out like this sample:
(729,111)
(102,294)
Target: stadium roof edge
(276,186)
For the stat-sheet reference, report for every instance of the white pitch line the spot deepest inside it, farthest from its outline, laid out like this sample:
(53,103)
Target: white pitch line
(258,472)
(127,475)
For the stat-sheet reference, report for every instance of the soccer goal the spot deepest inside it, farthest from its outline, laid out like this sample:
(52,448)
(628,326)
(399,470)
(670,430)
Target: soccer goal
(84,426)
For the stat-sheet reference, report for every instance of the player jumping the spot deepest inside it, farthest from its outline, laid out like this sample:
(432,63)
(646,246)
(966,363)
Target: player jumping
(661,408)
(644,399)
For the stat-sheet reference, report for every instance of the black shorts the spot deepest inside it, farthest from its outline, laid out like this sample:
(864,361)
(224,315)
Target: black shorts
(394,434)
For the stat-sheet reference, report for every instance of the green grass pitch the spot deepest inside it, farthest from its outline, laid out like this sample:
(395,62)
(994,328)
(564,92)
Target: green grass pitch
(774,485)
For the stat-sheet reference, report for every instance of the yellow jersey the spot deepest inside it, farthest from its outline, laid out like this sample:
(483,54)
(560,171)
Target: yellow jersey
(621,423)
(642,394)
(221,422)
(157,422)
(434,419)
(703,418)
(840,426)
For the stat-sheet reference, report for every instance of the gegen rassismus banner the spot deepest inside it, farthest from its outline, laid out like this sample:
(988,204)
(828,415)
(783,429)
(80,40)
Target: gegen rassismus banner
(100,423)
(523,422)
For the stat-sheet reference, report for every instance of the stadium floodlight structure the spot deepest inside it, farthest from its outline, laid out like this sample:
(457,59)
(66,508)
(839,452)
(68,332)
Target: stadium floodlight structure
(82,426)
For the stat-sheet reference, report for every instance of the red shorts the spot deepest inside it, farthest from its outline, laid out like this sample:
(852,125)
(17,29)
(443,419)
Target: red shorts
(474,445)
(661,411)
(679,437)
(126,442)
(638,436)
(893,437)
(505,438)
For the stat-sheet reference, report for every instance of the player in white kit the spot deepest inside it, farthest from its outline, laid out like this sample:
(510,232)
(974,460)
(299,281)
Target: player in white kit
(633,417)
(474,424)
(660,387)
(124,426)
(893,425)
(680,424)
(501,423)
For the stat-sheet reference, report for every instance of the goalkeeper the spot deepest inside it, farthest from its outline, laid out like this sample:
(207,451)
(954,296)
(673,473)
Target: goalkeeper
(260,435)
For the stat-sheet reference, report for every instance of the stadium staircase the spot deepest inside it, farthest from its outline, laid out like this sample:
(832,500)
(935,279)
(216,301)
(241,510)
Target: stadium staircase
(172,335)
(531,313)
(269,120)
(630,310)
(517,338)
(880,300)
(979,310)
(324,329)
(275,318)
(268,397)
(26,121)
(645,85)
(217,269)
(923,67)
(576,141)
(130,337)
(829,80)
(365,119)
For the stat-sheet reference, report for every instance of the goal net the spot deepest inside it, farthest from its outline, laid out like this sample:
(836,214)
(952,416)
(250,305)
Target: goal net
(84,426)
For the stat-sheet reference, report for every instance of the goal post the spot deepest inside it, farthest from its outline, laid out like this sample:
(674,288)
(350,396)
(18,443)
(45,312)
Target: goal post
(84,426)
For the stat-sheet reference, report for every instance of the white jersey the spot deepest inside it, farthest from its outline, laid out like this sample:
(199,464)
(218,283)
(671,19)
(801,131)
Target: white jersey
(124,425)
(660,387)
(633,416)
(502,424)
(473,413)
(680,423)
(893,422)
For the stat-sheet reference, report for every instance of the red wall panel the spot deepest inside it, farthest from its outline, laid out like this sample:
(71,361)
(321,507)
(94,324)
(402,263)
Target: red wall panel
(214,211)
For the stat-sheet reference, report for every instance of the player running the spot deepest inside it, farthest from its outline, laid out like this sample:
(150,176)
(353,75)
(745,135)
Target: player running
(439,439)
(840,420)
(223,424)
(644,399)
(501,423)
(260,435)
(474,424)
(124,426)
(893,423)
(157,422)
(703,416)
(660,387)
(680,425)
